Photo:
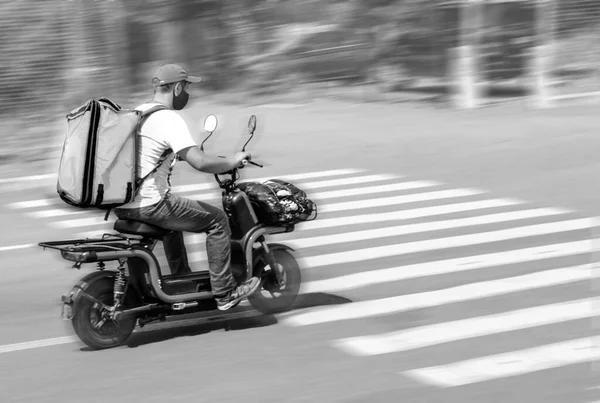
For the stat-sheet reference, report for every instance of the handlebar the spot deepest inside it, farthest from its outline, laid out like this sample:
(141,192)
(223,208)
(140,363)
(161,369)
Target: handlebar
(230,182)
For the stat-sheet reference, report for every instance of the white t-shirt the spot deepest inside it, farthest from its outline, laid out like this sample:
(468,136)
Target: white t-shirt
(162,130)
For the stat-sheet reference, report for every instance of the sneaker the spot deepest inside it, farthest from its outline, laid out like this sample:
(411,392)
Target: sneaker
(238,294)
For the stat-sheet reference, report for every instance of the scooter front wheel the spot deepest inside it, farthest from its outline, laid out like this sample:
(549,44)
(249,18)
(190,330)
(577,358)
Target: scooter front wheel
(91,323)
(271,298)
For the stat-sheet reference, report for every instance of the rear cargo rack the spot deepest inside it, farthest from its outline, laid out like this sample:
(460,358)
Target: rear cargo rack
(86,250)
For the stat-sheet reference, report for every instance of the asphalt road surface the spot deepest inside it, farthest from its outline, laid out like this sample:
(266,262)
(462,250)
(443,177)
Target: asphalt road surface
(452,261)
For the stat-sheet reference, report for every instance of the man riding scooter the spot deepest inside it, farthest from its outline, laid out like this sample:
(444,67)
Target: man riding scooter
(165,133)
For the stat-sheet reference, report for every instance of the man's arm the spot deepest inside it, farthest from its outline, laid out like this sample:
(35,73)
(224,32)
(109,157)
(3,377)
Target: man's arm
(180,140)
(208,163)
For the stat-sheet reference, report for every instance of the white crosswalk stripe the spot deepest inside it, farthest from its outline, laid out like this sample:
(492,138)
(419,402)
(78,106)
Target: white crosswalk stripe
(469,263)
(379,234)
(428,299)
(511,364)
(468,328)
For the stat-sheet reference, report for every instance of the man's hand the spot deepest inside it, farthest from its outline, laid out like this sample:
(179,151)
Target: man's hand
(240,157)
(212,164)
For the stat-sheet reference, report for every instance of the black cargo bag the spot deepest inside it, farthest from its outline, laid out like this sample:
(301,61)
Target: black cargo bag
(277,202)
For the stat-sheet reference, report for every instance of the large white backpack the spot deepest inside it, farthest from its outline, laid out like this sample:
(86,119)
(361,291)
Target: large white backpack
(98,166)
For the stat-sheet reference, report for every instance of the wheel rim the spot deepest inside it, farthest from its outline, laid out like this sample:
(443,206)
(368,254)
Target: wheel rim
(100,323)
(270,291)
(271,288)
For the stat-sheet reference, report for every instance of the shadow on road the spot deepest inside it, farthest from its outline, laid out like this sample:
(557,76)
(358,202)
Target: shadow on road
(190,330)
(196,324)
(312,300)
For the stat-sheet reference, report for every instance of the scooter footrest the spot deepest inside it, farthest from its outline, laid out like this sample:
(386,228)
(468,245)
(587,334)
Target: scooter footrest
(186,283)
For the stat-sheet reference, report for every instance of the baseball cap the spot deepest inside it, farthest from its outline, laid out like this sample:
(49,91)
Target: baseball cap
(172,73)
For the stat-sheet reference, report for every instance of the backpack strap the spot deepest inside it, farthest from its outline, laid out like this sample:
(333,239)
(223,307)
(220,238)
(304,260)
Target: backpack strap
(143,117)
(160,161)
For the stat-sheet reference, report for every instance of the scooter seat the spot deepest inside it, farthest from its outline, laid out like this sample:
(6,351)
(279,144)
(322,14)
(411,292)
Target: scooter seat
(140,228)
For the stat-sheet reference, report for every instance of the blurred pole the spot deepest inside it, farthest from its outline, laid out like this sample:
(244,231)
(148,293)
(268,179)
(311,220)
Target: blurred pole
(542,57)
(464,61)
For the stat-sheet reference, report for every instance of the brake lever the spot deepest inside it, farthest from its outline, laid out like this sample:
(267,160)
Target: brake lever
(253,163)
(245,162)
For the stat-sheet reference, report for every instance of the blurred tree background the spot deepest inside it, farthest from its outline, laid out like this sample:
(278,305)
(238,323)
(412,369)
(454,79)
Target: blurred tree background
(56,54)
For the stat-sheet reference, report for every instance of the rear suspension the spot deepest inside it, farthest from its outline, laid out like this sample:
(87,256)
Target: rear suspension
(119,285)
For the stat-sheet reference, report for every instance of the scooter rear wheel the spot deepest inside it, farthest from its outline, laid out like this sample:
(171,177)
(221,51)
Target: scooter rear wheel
(87,319)
(271,299)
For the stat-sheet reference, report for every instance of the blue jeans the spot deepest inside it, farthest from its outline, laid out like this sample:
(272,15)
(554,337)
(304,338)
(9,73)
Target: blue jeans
(179,214)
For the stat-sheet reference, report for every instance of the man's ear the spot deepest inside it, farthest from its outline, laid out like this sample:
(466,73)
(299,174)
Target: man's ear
(178,88)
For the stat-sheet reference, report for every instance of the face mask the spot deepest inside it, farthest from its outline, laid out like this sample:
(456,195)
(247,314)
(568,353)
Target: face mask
(179,102)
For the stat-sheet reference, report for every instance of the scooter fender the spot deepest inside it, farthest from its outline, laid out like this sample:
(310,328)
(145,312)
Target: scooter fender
(71,299)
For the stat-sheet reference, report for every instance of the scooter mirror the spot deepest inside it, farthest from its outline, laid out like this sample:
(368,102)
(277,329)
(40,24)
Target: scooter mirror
(210,123)
(252,124)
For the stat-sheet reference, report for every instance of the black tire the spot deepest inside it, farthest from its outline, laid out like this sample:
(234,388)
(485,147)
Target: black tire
(110,334)
(287,295)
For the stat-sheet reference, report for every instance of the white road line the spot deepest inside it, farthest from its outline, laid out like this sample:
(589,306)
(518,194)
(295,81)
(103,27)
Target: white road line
(35,203)
(390,201)
(477,262)
(430,299)
(201,186)
(280,106)
(407,214)
(84,222)
(421,227)
(37,344)
(359,255)
(16,247)
(206,197)
(354,180)
(96,234)
(191,239)
(447,332)
(175,323)
(216,195)
(197,257)
(416,228)
(74,211)
(341,193)
(372,190)
(327,207)
(308,175)
(390,216)
(60,212)
(27,178)
(377,252)
(194,188)
(509,364)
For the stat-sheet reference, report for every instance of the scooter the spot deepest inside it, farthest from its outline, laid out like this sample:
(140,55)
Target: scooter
(106,305)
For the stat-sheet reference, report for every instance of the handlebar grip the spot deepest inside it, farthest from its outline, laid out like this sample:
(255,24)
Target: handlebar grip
(246,162)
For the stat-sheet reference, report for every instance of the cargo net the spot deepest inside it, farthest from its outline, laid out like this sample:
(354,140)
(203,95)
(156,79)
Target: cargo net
(277,202)
(576,43)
